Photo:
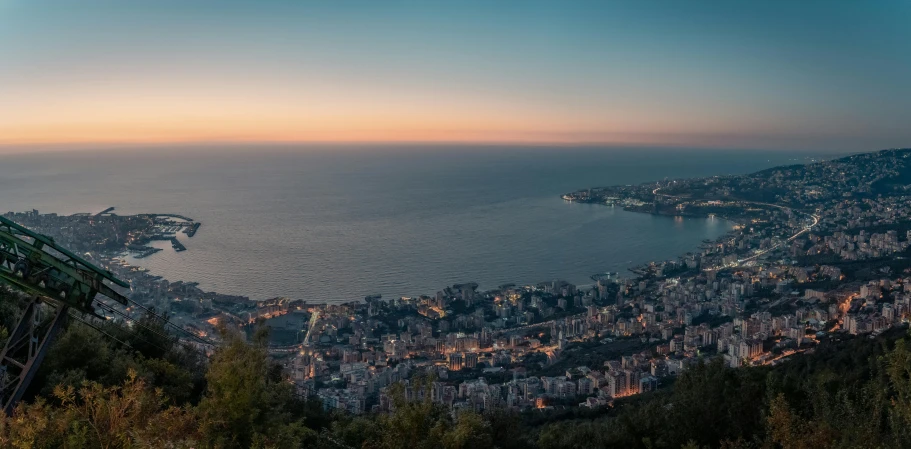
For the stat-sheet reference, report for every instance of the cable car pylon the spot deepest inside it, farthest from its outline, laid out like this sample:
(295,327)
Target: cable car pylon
(57,280)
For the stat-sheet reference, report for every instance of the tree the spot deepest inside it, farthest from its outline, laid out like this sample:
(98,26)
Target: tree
(95,416)
(414,425)
(81,353)
(470,431)
(788,430)
(246,402)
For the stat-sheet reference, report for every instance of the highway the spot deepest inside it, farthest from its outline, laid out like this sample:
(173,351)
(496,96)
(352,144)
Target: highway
(762,252)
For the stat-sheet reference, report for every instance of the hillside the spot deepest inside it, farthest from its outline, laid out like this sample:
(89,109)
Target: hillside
(94,392)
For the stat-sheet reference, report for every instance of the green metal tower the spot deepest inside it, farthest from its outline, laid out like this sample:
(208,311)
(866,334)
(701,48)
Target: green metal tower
(59,281)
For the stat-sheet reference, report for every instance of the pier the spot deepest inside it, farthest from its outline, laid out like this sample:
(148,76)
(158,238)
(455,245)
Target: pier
(146,253)
(181,217)
(191,230)
(177,245)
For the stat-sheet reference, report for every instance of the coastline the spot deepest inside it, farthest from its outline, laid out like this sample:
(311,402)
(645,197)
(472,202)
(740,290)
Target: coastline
(531,237)
(628,267)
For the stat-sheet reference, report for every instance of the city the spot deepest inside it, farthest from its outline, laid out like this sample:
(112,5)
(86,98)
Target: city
(654,224)
(816,250)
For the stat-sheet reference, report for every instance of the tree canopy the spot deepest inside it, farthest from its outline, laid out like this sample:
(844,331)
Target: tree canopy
(152,391)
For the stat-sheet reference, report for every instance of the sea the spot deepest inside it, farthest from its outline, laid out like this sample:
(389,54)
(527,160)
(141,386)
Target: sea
(337,223)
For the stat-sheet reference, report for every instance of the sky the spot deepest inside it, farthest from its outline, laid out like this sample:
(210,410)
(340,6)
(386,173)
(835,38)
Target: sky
(771,74)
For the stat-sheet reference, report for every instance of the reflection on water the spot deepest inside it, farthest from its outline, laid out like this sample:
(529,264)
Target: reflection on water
(328,226)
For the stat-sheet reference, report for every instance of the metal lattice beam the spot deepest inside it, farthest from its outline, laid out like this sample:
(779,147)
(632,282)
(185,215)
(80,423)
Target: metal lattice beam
(26,348)
(35,264)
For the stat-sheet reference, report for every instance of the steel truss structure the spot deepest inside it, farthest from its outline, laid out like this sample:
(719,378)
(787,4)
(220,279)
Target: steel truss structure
(59,282)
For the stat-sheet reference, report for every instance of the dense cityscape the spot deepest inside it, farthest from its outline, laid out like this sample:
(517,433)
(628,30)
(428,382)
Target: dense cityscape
(455,225)
(817,250)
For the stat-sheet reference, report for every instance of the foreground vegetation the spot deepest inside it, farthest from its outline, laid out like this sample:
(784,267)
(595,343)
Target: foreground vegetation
(146,390)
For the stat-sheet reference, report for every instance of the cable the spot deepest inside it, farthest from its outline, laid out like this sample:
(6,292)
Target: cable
(126,317)
(170,323)
(133,320)
(78,318)
(128,345)
(153,344)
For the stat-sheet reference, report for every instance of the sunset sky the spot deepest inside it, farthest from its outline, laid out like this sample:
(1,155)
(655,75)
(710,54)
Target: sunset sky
(767,74)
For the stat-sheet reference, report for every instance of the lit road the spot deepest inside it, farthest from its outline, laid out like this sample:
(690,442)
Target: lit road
(762,252)
(543,323)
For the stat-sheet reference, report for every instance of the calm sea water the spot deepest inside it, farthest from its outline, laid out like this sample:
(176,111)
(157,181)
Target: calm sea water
(336,224)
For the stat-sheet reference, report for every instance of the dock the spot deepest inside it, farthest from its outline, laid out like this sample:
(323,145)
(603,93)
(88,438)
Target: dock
(146,253)
(191,230)
(106,211)
(180,217)
(177,245)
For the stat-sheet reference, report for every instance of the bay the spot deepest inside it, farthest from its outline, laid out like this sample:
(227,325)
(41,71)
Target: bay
(336,223)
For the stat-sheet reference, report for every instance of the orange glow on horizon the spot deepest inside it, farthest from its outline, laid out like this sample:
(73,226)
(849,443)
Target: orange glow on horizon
(156,112)
(84,136)
(277,129)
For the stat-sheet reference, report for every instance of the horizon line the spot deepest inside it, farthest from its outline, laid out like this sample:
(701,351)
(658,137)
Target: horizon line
(54,147)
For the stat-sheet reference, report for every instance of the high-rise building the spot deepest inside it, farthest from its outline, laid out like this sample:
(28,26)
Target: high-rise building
(456,361)
(647,384)
(616,384)
(471,360)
